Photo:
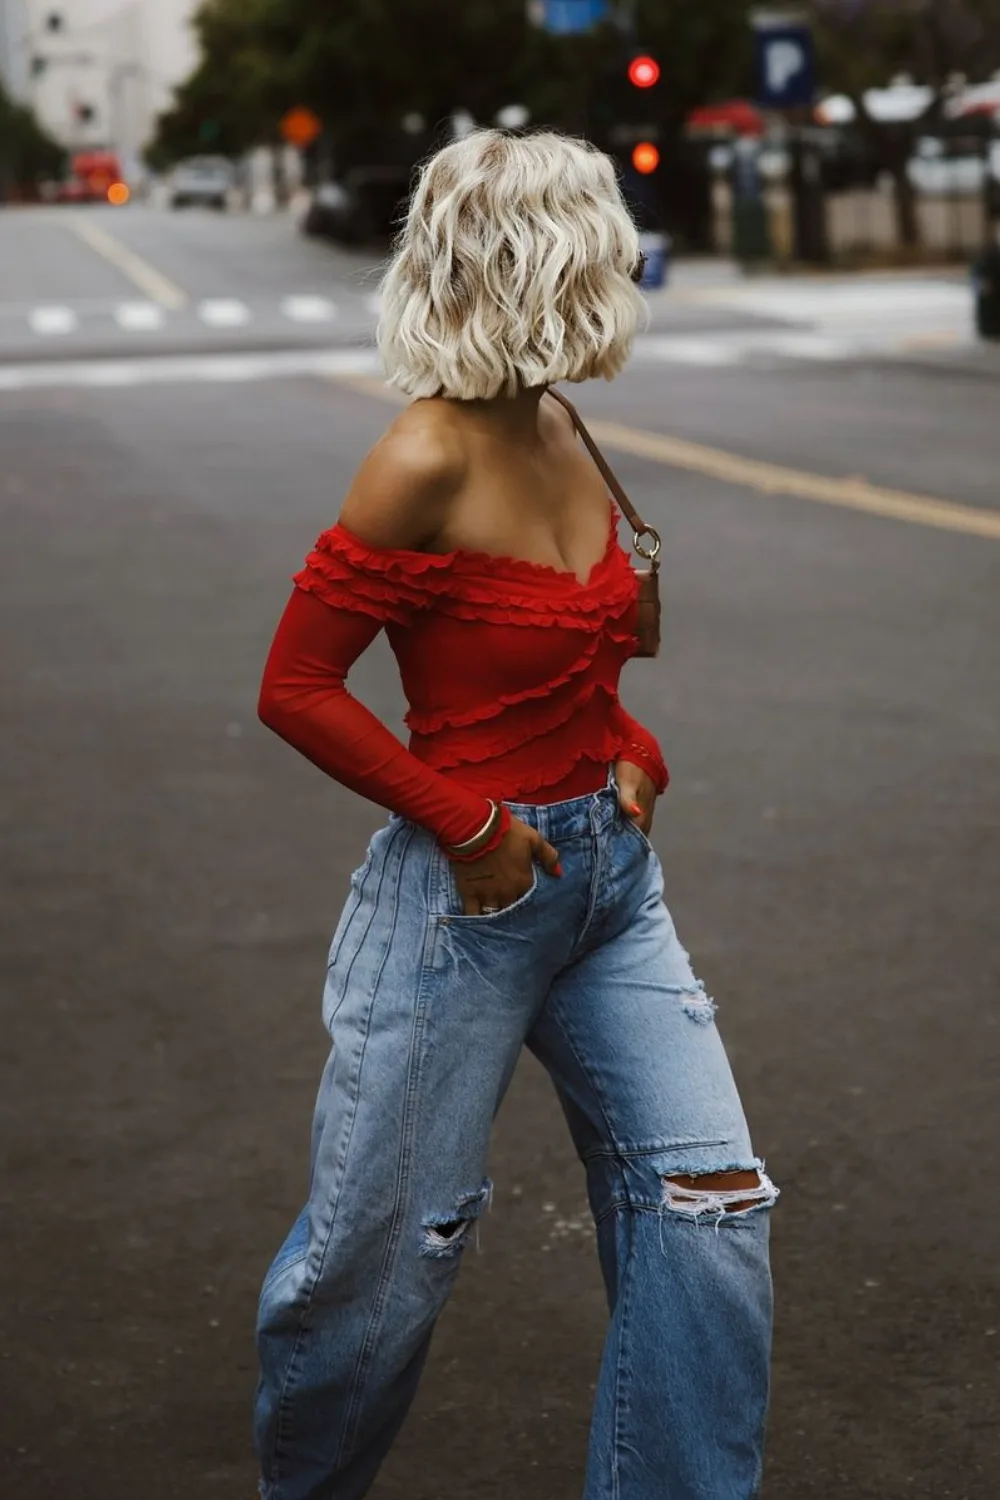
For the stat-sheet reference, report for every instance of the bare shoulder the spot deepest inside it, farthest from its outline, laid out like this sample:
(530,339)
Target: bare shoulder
(403,493)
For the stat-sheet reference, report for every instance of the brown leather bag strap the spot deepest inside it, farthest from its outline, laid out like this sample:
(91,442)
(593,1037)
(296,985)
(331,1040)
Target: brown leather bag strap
(629,511)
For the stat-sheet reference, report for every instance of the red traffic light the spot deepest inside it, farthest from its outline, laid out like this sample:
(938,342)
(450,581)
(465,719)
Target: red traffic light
(645,158)
(643,72)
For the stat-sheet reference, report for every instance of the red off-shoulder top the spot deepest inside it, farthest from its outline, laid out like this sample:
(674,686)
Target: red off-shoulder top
(510,670)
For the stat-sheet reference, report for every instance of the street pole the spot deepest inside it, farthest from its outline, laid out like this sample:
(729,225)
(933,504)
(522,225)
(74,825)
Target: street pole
(986,267)
(786,84)
(810,240)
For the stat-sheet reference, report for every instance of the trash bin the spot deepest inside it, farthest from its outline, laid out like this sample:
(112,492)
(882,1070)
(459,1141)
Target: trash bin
(656,272)
(986,287)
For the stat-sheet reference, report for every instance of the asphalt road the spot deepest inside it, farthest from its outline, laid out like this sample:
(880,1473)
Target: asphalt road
(171,874)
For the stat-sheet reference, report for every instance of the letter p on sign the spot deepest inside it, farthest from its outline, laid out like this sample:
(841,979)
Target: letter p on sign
(785,58)
(785,67)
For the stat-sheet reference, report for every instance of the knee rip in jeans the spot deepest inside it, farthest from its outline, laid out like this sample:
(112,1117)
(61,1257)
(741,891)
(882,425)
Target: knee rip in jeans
(697,1004)
(445,1234)
(716,1197)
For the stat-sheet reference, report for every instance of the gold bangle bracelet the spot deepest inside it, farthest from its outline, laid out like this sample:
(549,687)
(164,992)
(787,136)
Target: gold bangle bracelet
(482,837)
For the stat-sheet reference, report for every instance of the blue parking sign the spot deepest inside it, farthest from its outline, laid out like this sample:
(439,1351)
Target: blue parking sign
(786,65)
(565,17)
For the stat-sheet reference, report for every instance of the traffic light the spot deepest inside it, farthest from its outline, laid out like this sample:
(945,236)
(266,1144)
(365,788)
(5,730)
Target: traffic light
(643,72)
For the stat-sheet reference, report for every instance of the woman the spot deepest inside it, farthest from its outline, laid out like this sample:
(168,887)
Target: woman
(514,896)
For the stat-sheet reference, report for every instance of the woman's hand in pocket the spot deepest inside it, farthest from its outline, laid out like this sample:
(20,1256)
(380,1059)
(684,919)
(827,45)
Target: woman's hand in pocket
(499,879)
(636,793)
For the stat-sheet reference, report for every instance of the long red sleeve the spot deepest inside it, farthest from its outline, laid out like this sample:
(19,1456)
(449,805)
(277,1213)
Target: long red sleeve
(304,699)
(640,746)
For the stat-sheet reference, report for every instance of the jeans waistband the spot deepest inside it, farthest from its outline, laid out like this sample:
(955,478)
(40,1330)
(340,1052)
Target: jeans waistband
(580,815)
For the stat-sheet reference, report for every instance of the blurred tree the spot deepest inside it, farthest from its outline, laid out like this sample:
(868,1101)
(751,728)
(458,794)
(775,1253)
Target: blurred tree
(863,44)
(363,65)
(226,106)
(27,154)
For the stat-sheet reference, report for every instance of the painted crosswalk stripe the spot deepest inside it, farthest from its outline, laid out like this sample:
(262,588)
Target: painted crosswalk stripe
(309,309)
(720,350)
(189,368)
(139,317)
(224,312)
(52,322)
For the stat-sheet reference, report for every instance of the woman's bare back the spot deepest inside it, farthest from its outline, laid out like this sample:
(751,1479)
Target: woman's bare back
(506,477)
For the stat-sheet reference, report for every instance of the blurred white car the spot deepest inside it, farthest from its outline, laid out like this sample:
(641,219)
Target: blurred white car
(204,180)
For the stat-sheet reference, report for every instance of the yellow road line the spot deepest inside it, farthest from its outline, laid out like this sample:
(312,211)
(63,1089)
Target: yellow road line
(849,493)
(146,277)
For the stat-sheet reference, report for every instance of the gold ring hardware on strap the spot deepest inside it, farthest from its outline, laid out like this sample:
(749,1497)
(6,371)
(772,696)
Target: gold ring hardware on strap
(649,553)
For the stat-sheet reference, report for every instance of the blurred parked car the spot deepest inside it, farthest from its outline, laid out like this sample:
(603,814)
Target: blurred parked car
(204,180)
(366,204)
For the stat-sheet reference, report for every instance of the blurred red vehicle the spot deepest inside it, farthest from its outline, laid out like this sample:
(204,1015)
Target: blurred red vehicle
(95,177)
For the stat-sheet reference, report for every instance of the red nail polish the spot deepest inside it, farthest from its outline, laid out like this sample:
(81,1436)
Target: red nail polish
(635,809)
(558,869)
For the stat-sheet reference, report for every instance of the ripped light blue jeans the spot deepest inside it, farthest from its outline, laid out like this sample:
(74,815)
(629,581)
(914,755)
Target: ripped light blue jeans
(428,1011)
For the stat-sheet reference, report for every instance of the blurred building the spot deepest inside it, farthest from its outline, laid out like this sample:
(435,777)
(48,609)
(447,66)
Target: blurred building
(97,72)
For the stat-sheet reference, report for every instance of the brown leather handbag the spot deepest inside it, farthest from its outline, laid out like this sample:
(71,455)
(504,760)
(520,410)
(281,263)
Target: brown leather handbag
(648,619)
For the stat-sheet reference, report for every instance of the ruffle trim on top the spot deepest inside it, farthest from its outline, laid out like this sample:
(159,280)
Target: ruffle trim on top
(399,562)
(341,596)
(443,757)
(434,720)
(557,770)
(554,775)
(606,748)
(392,583)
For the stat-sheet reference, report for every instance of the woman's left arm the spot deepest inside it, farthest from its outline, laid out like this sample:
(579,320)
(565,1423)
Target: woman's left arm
(640,770)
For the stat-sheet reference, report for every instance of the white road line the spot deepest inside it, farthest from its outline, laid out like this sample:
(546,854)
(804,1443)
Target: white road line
(720,350)
(53,322)
(309,309)
(139,317)
(224,312)
(188,369)
(146,277)
(830,303)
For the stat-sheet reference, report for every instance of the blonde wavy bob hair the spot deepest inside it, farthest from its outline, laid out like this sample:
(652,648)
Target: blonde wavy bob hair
(513,269)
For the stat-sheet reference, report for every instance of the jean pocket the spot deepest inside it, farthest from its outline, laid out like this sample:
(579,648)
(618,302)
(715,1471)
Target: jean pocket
(451,906)
(643,838)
